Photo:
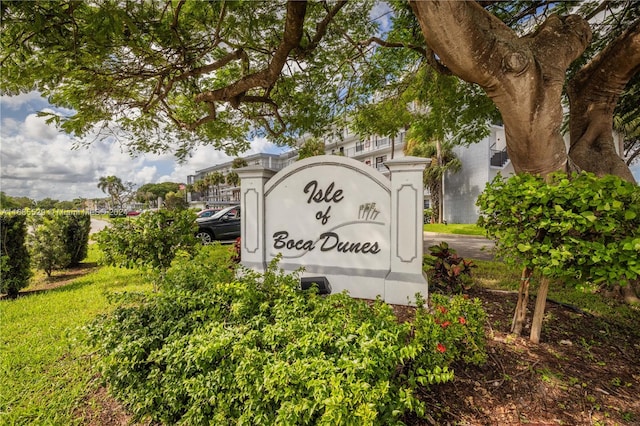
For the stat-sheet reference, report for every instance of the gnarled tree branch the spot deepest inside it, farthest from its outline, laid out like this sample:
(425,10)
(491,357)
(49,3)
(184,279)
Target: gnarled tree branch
(292,35)
(524,76)
(593,94)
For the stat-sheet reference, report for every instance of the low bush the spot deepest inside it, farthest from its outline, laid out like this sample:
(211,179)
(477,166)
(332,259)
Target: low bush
(577,228)
(448,273)
(257,350)
(46,242)
(151,240)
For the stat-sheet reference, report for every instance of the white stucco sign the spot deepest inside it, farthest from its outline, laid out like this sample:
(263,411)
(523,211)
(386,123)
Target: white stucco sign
(339,219)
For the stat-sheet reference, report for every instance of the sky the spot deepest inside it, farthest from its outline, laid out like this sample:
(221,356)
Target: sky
(37,161)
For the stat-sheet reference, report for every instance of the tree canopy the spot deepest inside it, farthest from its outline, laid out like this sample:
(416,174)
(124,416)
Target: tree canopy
(174,74)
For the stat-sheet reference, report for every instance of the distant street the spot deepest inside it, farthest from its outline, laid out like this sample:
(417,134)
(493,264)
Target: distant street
(97,225)
(467,246)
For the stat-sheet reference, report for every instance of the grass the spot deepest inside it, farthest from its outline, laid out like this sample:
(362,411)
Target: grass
(45,368)
(499,276)
(454,228)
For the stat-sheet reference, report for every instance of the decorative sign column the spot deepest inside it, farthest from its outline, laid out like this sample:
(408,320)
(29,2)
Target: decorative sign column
(252,234)
(336,218)
(407,203)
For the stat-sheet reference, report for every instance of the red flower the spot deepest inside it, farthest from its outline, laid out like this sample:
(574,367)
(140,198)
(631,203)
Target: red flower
(462,321)
(445,324)
(442,309)
(441,348)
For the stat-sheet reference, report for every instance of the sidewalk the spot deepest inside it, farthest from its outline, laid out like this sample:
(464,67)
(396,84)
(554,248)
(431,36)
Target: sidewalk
(467,246)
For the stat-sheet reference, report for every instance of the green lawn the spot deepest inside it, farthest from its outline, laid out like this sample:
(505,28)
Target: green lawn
(455,228)
(45,369)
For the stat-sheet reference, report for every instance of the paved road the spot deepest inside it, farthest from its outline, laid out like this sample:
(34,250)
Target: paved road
(97,225)
(467,246)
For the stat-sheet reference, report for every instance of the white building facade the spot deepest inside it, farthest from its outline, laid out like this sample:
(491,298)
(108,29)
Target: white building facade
(481,162)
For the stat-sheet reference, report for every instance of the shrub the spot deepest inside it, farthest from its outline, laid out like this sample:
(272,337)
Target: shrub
(46,242)
(258,350)
(76,227)
(578,229)
(450,273)
(150,240)
(15,262)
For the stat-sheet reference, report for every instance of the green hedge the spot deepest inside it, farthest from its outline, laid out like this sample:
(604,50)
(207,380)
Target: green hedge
(14,257)
(76,236)
(578,228)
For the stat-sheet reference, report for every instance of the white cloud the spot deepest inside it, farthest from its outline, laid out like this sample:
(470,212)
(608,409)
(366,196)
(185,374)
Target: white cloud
(36,127)
(38,161)
(146,175)
(18,101)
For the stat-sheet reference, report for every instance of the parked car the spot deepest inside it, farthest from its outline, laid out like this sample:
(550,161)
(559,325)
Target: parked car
(224,225)
(133,213)
(207,212)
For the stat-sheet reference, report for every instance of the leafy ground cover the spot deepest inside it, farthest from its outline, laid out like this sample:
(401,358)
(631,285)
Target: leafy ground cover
(584,372)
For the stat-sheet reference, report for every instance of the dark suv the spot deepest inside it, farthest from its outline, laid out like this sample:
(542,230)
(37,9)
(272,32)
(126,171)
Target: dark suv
(224,225)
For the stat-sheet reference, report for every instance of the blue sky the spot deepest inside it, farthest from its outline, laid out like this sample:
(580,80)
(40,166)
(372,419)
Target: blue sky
(37,160)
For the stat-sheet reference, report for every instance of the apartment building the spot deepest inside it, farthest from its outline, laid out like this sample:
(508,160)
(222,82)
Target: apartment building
(481,162)
(228,194)
(373,151)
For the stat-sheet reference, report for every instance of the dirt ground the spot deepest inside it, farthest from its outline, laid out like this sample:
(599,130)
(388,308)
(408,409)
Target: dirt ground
(585,371)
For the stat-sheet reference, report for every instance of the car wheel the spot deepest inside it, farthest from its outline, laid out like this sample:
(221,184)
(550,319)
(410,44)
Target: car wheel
(205,236)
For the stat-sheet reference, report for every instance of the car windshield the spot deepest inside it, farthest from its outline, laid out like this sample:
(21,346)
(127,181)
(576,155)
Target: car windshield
(223,212)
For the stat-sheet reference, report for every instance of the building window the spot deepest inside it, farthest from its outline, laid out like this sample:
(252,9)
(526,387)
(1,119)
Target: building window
(359,146)
(379,162)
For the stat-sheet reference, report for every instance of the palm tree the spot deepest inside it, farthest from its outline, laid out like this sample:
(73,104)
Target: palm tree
(113,186)
(233,179)
(628,127)
(217,178)
(443,159)
(201,187)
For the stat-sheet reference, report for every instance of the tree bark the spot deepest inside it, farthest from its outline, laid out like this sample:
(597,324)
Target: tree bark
(440,187)
(524,76)
(523,299)
(593,94)
(435,188)
(538,314)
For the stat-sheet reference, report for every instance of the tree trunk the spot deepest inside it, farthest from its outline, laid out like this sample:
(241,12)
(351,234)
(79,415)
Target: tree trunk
(593,94)
(524,76)
(440,186)
(393,146)
(435,188)
(520,314)
(629,294)
(538,314)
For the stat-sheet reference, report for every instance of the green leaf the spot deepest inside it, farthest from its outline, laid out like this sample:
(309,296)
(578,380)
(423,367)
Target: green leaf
(524,247)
